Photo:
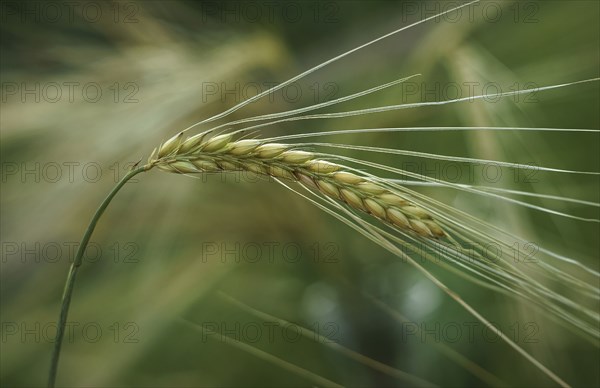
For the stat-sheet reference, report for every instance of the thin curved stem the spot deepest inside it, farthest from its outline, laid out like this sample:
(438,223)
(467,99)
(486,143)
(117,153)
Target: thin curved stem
(69,285)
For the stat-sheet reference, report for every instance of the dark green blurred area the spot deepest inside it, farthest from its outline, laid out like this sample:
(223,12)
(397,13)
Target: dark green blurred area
(170,247)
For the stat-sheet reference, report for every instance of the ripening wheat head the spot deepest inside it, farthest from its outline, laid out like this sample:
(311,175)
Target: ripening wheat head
(221,153)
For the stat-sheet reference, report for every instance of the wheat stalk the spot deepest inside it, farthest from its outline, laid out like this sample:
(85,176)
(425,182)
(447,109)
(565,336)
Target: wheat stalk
(197,154)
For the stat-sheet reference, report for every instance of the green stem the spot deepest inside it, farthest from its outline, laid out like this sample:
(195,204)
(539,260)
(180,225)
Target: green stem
(66,298)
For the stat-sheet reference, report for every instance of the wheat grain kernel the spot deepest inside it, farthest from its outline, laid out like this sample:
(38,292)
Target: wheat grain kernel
(416,212)
(328,188)
(420,228)
(271,150)
(323,167)
(435,229)
(217,143)
(206,165)
(243,147)
(370,187)
(393,199)
(170,145)
(352,199)
(306,180)
(397,218)
(191,143)
(184,167)
(375,208)
(297,157)
(255,168)
(228,166)
(279,172)
(347,178)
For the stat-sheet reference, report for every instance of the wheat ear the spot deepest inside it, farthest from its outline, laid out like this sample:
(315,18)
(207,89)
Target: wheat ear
(197,154)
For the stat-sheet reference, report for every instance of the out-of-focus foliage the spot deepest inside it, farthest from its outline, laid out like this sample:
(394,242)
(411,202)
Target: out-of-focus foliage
(169,246)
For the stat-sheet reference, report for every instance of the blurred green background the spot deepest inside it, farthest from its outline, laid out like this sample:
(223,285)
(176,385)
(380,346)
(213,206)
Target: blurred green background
(169,248)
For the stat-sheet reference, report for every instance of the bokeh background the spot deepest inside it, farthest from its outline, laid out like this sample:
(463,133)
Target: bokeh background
(171,251)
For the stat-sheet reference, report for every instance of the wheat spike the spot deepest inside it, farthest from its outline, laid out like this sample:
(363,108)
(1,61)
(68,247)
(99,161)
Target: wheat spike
(285,161)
